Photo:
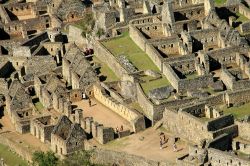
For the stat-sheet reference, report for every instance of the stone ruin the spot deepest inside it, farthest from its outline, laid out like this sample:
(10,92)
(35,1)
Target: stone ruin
(201,49)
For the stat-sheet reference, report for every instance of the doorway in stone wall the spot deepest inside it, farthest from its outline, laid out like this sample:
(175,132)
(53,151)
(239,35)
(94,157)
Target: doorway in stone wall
(148,122)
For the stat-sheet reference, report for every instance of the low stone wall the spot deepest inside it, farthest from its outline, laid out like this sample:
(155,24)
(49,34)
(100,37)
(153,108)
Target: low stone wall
(244,129)
(196,83)
(136,120)
(145,103)
(236,97)
(219,158)
(75,35)
(186,126)
(108,58)
(108,157)
(100,133)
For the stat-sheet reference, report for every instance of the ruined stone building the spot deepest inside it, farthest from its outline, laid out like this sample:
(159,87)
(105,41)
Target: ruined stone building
(67,137)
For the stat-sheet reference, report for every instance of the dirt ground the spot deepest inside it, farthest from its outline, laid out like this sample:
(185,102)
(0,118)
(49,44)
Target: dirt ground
(147,144)
(102,114)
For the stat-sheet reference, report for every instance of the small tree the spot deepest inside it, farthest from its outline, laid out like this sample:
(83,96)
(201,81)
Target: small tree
(44,159)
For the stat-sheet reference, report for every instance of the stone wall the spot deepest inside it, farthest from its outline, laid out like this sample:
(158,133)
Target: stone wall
(75,35)
(135,119)
(100,133)
(106,56)
(244,129)
(237,97)
(24,152)
(186,126)
(220,122)
(219,158)
(171,75)
(196,83)
(108,157)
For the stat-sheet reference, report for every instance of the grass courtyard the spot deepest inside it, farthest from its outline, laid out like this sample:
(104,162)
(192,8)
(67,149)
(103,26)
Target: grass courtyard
(220,2)
(106,71)
(125,46)
(238,112)
(10,158)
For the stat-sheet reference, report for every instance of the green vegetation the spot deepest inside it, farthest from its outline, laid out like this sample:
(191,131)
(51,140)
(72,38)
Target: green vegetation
(238,112)
(241,18)
(124,45)
(106,71)
(147,86)
(191,76)
(86,24)
(220,2)
(45,159)
(80,158)
(10,158)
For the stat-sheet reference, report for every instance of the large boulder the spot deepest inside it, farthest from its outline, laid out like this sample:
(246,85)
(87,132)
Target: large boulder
(161,93)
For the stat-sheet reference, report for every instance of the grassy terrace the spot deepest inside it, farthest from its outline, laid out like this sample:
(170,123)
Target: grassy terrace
(220,2)
(241,18)
(124,45)
(238,112)
(10,158)
(106,71)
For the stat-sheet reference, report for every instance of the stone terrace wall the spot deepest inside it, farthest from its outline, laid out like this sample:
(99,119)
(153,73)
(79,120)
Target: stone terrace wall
(171,75)
(196,83)
(25,153)
(244,10)
(186,126)
(236,97)
(220,122)
(106,56)
(108,157)
(219,158)
(137,37)
(244,129)
(148,48)
(145,103)
(136,119)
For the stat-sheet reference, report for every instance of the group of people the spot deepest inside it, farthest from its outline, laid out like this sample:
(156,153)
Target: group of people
(117,129)
(163,140)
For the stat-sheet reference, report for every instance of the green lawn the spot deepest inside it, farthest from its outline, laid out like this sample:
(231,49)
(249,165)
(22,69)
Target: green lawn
(106,71)
(191,76)
(10,158)
(39,106)
(238,112)
(241,18)
(147,86)
(124,45)
(220,2)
